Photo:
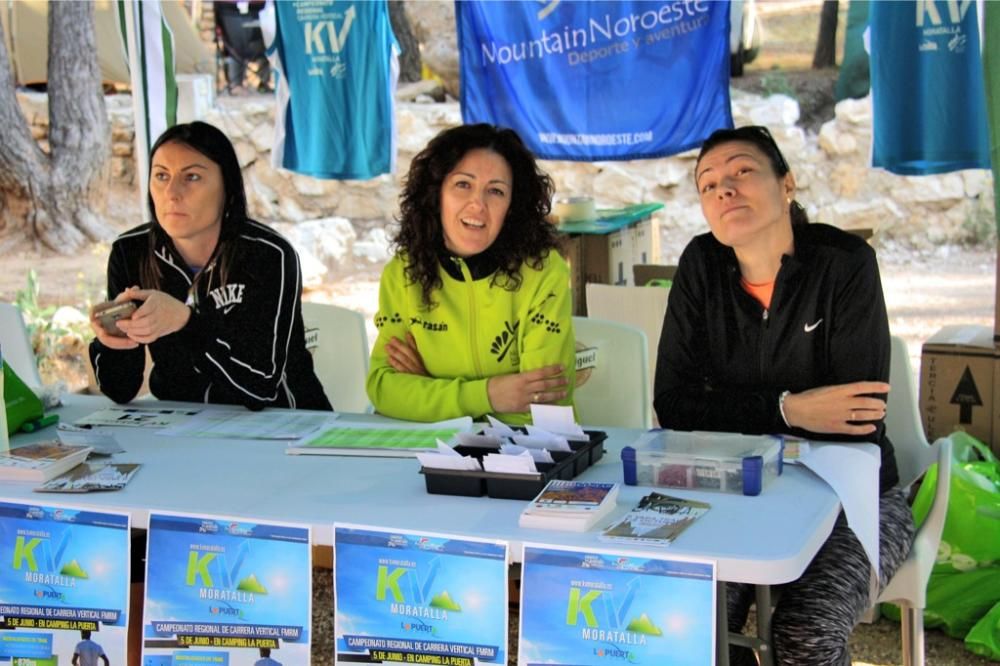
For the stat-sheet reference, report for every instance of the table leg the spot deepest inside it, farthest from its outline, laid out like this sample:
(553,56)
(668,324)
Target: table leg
(764,652)
(721,625)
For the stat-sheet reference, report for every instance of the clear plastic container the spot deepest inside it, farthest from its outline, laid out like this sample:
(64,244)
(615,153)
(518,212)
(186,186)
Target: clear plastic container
(727,462)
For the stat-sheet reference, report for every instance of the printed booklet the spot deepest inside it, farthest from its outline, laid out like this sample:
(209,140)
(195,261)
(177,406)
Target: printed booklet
(40,461)
(655,521)
(570,505)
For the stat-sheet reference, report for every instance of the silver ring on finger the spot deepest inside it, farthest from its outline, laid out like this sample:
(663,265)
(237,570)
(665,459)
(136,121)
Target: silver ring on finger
(534,398)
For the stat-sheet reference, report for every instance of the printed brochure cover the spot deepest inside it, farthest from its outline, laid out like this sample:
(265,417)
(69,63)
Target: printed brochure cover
(64,584)
(227,592)
(602,608)
(412,598)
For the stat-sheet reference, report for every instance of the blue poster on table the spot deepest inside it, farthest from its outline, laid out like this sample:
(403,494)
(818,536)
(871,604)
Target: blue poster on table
(418,598)
(598,608)
(64,580)
(928,92)
(226,592)
(597,80)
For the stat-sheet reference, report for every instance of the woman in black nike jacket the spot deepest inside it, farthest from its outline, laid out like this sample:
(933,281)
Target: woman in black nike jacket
(219,294)
(776,325)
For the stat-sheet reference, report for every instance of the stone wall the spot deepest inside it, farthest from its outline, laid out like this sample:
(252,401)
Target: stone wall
(341,227)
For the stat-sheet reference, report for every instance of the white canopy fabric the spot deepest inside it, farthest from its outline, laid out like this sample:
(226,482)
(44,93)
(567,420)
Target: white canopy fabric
(25,25)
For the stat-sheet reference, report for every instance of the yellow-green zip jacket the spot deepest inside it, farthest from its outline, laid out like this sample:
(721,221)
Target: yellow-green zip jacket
(475,331)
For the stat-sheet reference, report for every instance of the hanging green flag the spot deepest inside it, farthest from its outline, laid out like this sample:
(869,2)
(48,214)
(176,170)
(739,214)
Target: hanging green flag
(148,46)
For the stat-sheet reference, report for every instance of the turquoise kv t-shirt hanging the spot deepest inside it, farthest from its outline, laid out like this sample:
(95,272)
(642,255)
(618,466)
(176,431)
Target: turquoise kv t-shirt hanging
(928,100)
(338,68)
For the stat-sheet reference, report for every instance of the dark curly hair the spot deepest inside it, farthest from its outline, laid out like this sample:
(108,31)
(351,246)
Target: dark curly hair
(526,236)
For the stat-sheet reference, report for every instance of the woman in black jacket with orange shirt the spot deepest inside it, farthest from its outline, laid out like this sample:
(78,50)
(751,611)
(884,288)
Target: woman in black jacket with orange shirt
(775,325)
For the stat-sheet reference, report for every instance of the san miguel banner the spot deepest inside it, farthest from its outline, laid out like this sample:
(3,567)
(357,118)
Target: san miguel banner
(597,80)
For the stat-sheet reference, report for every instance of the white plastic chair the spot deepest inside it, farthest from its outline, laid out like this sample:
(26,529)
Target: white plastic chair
(338,341)
(612,378)
(914,455)
(16,345)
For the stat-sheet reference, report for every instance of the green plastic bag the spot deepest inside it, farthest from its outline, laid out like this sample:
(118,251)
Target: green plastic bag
(20,402)
(971,536)
(956,601)
(984,638)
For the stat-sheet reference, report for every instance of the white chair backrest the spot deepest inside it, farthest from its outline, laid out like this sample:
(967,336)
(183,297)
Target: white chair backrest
(909,585)
(15,345)
(902,417)
(338,341)
(612,374)
(642,307)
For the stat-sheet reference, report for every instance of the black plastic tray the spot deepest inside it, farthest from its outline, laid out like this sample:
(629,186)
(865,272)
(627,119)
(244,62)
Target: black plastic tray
(475,483)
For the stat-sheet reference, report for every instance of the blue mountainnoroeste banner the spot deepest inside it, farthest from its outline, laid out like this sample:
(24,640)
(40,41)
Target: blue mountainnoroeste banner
(928,103)
(597,80)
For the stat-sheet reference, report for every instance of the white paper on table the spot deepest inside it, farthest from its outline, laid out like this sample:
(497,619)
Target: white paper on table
(852,470)
(522,464)
(281,424)
(538,455)
(498,428)
(137,417)
(558,419)
(478,441)
(542,440)
(447,458)
(100,439)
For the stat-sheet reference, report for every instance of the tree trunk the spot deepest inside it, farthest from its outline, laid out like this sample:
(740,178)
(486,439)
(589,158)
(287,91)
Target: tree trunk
(409,59)
(826,42)
(50,197)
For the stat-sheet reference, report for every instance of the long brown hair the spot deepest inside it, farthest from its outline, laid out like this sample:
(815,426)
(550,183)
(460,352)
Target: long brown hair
(215,145)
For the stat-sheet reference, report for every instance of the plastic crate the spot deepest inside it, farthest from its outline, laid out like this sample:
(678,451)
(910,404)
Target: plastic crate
(725,462)
(475,483)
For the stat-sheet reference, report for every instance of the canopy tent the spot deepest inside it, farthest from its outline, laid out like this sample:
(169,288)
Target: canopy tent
(25,25)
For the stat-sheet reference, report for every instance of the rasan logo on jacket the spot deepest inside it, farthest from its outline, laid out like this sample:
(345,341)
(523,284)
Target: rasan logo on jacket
(227,296)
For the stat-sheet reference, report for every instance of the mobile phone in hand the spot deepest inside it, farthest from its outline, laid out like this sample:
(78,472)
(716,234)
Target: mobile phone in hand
(109,312)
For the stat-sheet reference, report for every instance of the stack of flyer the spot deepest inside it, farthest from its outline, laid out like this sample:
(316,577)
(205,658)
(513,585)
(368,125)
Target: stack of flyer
(570,505)
(40,461)
(656,521)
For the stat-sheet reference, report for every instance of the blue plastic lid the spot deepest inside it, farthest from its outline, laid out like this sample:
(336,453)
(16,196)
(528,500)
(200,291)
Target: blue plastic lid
(628,465)
(753,475)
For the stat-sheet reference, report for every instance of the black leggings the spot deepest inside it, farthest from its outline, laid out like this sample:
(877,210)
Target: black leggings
(815,615)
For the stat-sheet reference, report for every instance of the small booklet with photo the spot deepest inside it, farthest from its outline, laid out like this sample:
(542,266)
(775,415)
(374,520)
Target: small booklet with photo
(570,505)
(40,461)
(90,476)
(655,521)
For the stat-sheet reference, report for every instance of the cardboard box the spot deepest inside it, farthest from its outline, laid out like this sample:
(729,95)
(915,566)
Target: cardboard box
(588,262)
(603,251)
(996,289)
(643,273)
(960,384)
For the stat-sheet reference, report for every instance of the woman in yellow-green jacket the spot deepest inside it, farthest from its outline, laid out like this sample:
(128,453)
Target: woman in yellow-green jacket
(475,309)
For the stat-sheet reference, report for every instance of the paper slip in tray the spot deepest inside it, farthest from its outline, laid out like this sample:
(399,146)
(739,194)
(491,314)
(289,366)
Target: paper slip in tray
(475,483)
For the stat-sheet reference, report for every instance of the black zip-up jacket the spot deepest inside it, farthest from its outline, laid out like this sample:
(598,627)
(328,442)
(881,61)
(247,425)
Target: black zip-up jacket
(245,341)
(724,360)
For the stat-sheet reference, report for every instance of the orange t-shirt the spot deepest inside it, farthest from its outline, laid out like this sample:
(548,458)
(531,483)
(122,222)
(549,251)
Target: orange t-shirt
(762,292)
